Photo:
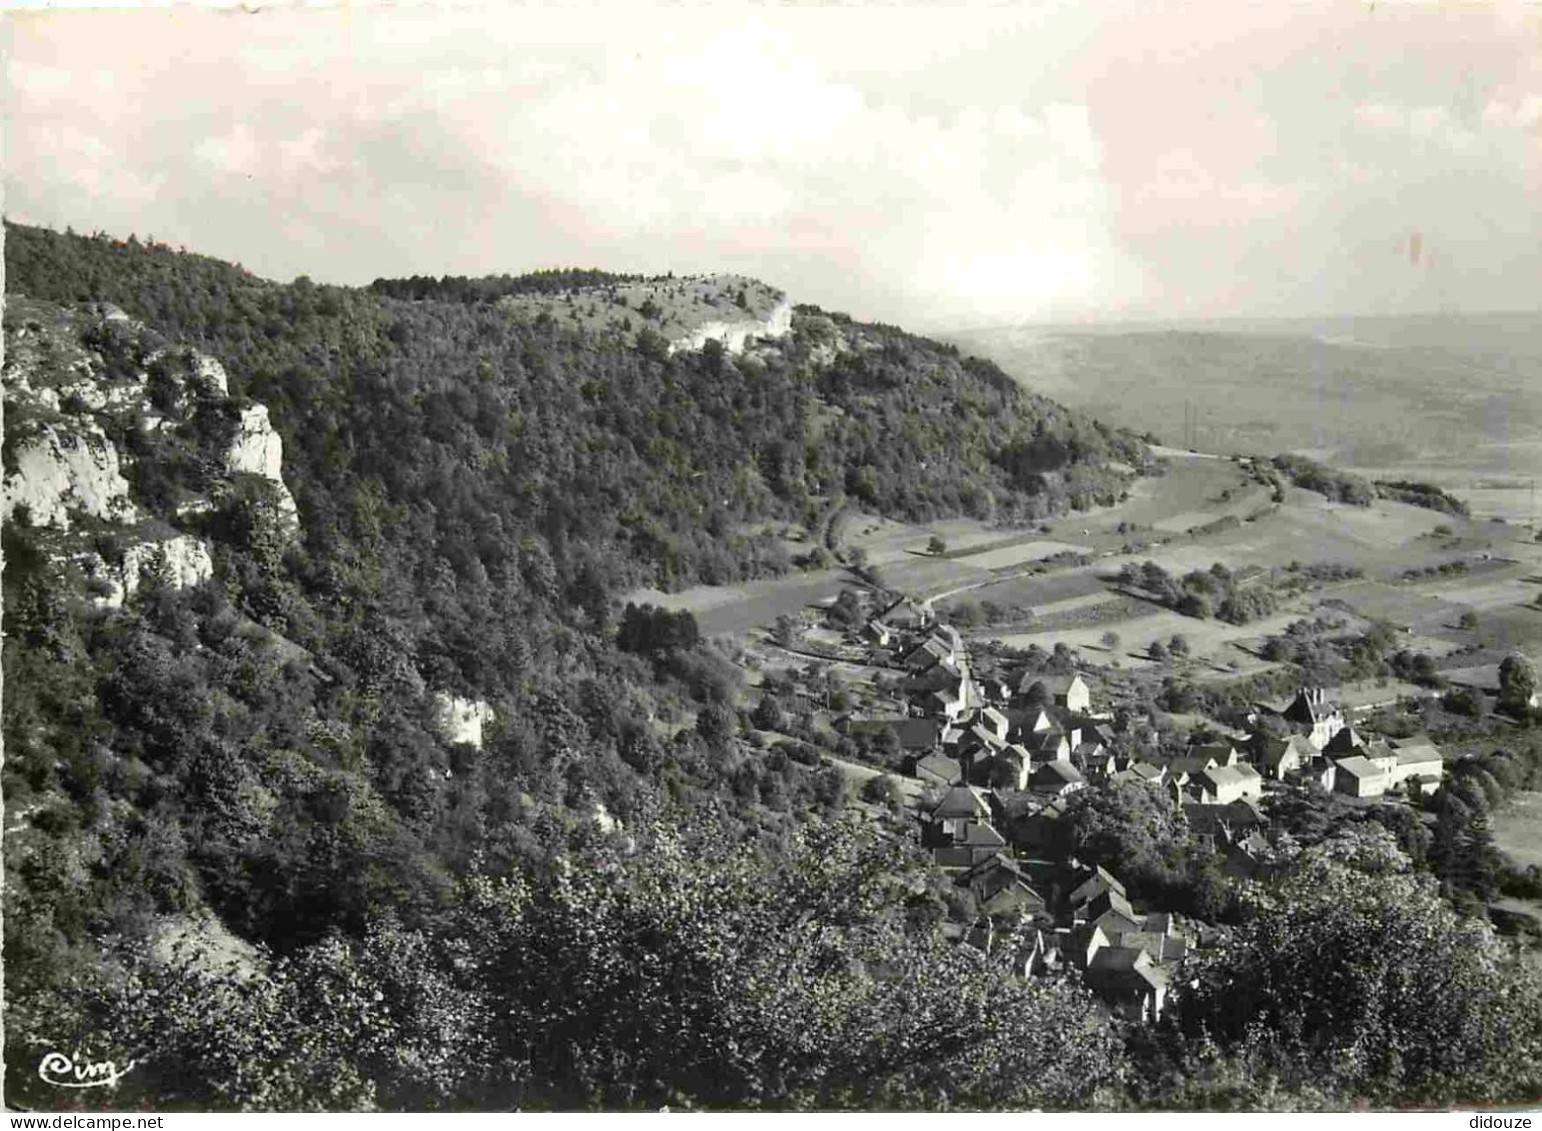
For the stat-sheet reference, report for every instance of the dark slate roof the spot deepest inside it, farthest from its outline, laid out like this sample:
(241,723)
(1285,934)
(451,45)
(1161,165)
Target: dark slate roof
(980,835)
(1120,968)
(917,734)
(961,801)
(1057,773)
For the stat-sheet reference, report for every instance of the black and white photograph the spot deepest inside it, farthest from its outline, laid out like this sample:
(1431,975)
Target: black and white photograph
(772,557)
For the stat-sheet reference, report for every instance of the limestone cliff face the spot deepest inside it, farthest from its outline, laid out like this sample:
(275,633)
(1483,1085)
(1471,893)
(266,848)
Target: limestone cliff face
(735,334)
(258,450)
(73,379)
(67,470)
(180,562)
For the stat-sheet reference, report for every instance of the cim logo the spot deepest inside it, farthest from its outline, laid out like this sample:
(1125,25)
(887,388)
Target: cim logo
(66,1072)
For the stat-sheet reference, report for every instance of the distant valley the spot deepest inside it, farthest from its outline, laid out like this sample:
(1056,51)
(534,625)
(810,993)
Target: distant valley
(1451,399)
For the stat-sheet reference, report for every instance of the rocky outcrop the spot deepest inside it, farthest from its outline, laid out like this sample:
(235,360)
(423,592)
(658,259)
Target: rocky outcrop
(59,473)
(179,562)
(210,375)
(73,377)
(258,450)
(736,334)
(462,720)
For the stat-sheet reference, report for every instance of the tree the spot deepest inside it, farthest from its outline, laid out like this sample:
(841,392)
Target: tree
(1517,683)
(881,790)
(647,629)
(935,545)
(715,723)
(1468,620)
(1110,640)
(1350,972)
(707,977)
(1178,645)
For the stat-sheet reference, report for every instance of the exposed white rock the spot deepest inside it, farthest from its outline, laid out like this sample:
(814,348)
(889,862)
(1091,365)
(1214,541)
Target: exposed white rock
(258,450)
(57,474)
(602,818)
(735,335)
(181,562)
(210,374)
(462,720)
(111,313)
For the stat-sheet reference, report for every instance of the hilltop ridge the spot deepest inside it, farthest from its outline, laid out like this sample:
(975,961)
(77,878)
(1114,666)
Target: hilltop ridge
(687,311)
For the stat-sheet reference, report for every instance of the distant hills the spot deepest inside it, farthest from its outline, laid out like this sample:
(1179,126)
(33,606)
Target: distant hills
(1445,398)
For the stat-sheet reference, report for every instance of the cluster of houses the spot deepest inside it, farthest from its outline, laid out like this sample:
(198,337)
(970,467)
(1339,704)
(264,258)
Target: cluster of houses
(1035,741)
(1079,919)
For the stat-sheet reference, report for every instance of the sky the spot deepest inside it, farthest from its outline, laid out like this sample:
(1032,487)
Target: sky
(934,166)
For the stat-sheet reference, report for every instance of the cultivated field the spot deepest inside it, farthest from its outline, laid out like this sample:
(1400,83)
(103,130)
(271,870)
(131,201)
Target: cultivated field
(1518,829)
(1007,556)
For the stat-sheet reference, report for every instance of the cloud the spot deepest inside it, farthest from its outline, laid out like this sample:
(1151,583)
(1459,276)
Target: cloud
(935,166)
(1520,114)
(237,152)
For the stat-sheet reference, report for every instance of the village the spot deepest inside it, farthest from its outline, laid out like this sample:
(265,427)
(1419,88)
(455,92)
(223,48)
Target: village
(989,754)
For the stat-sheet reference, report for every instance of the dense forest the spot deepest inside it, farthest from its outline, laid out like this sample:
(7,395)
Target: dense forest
(475,488)
(241,852)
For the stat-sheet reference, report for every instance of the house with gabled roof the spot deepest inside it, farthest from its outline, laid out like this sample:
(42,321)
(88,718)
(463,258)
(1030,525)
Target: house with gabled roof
(1184,768)
(1001,889)
(1359,776)
(1221,785)
(1233,818)
(1278,758)
(908,615)
(937,769)
(1093,760)
(995,722)
(878,634)
(1128,981)
(1068,691)
(929,653)
(1216,754)
(1140,773)
(961,803)
(1080,943)
(1347,741)
(971,843)
(1097,881)
(935,678)
(1047,746)
(1418,759)
(1161,946)
(1004,768)
(1057,777)
(978,738)
(947,703)
(1320,717)
(1111,909)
